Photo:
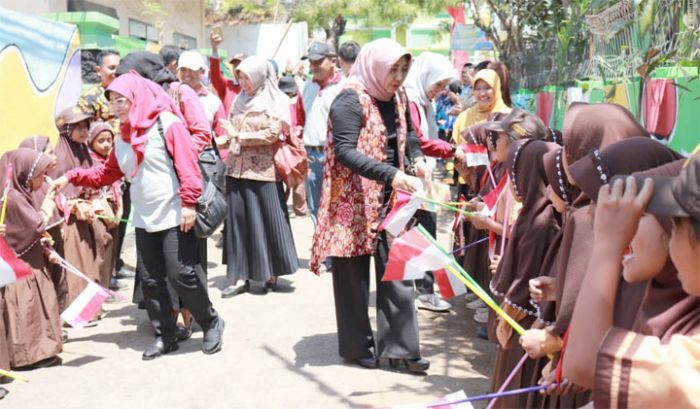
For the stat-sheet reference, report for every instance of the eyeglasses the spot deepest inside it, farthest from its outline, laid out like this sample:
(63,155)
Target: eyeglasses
(118,102)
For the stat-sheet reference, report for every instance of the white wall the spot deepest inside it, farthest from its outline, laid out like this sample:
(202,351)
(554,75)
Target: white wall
(263,39)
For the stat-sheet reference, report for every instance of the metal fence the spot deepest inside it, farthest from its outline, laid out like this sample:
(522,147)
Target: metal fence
(615,48)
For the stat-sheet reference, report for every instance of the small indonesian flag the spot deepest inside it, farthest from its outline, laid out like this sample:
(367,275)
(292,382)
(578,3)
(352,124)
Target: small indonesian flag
(492,198)
(11,268)
(477,155)
(86,306)
(449,284)
(404,208)
(411,255)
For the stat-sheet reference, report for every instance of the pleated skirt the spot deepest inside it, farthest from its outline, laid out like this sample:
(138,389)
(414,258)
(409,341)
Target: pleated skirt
(258,240)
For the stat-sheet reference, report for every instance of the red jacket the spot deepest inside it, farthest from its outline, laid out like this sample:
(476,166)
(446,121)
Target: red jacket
(226,88)
(436,148)
(184,154)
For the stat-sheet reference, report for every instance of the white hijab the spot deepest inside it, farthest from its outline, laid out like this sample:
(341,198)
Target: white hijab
(267,97)
(426,70)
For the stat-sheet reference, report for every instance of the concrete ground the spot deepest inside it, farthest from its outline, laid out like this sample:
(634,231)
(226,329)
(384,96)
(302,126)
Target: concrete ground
(280,350)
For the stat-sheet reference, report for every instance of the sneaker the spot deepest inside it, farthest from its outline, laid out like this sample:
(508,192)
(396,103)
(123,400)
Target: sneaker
(473,305)
(125,272)
(482,315)
(468,297)
(115,285)
(432,302)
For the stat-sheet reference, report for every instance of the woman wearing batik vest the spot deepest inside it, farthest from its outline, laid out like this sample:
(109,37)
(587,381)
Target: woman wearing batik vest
(372,142)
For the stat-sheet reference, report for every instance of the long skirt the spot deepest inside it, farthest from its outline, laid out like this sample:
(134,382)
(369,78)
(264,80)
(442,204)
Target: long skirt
(259,242)
(58,273)
(32,320)
(506,360)
(82,251)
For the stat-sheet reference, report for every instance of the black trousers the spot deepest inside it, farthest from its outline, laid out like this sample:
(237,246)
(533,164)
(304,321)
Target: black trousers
(172,255)
(429,221)
(126,203)
(397,325)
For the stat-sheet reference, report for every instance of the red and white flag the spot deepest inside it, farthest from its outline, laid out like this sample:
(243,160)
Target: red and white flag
(86,306)
(449,284)
(492,198)
(404,208)
(477,155)
(11,268)
(412,254)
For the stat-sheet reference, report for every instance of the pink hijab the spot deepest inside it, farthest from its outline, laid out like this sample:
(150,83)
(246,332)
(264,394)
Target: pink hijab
(148,100)
(373,65)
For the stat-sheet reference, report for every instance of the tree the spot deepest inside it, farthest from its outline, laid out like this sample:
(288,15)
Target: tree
(331,15)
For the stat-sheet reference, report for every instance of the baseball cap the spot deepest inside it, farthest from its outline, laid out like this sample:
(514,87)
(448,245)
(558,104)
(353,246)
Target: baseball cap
(237,58)
(318,50)
(288,85)
(191,59)
(71,115)
(519,124)
(677,196)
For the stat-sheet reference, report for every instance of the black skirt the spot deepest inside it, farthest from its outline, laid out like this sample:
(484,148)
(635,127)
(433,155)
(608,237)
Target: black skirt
(258,238)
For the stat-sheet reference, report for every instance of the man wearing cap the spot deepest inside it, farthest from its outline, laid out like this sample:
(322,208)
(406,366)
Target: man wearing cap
(190,68)
(347,53)
(226,88)
(313,106)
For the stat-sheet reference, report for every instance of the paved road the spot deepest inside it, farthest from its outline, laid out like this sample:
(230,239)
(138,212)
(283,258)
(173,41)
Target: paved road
(280,350)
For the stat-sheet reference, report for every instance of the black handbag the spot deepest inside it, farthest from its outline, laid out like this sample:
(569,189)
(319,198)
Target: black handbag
(211,205)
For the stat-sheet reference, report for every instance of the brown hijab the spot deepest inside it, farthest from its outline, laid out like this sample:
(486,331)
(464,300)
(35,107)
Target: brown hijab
(70,155)
(621,158)
(535,229)
(39,144)
(594,126)
(24,223)
(666,309)
(586,127)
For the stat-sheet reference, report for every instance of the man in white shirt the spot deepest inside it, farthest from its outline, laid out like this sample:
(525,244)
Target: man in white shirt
(190,68)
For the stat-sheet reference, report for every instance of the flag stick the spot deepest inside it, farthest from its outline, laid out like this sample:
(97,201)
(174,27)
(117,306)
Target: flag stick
(116,219)
(13,375)
(472,244)
(8,180)
(439,203)
(489,396)
(508,380)
(465,278)
(506,218)
(493,179)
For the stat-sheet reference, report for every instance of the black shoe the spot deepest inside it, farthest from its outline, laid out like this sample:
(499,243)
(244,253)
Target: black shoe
(369,362)
(231,291)
(419,365)
(3,392)
(271,285)
(482,332)
(158,348)
(183,334)
(213,336)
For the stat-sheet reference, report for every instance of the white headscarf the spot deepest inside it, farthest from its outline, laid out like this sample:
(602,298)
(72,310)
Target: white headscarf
(267,97)
(427,69)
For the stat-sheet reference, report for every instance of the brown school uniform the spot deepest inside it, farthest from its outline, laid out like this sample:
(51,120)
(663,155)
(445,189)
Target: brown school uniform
(31,319)
(634,370)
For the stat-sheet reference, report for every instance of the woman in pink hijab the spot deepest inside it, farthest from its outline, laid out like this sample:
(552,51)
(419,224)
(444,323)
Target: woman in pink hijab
(372,147)
(156,151)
